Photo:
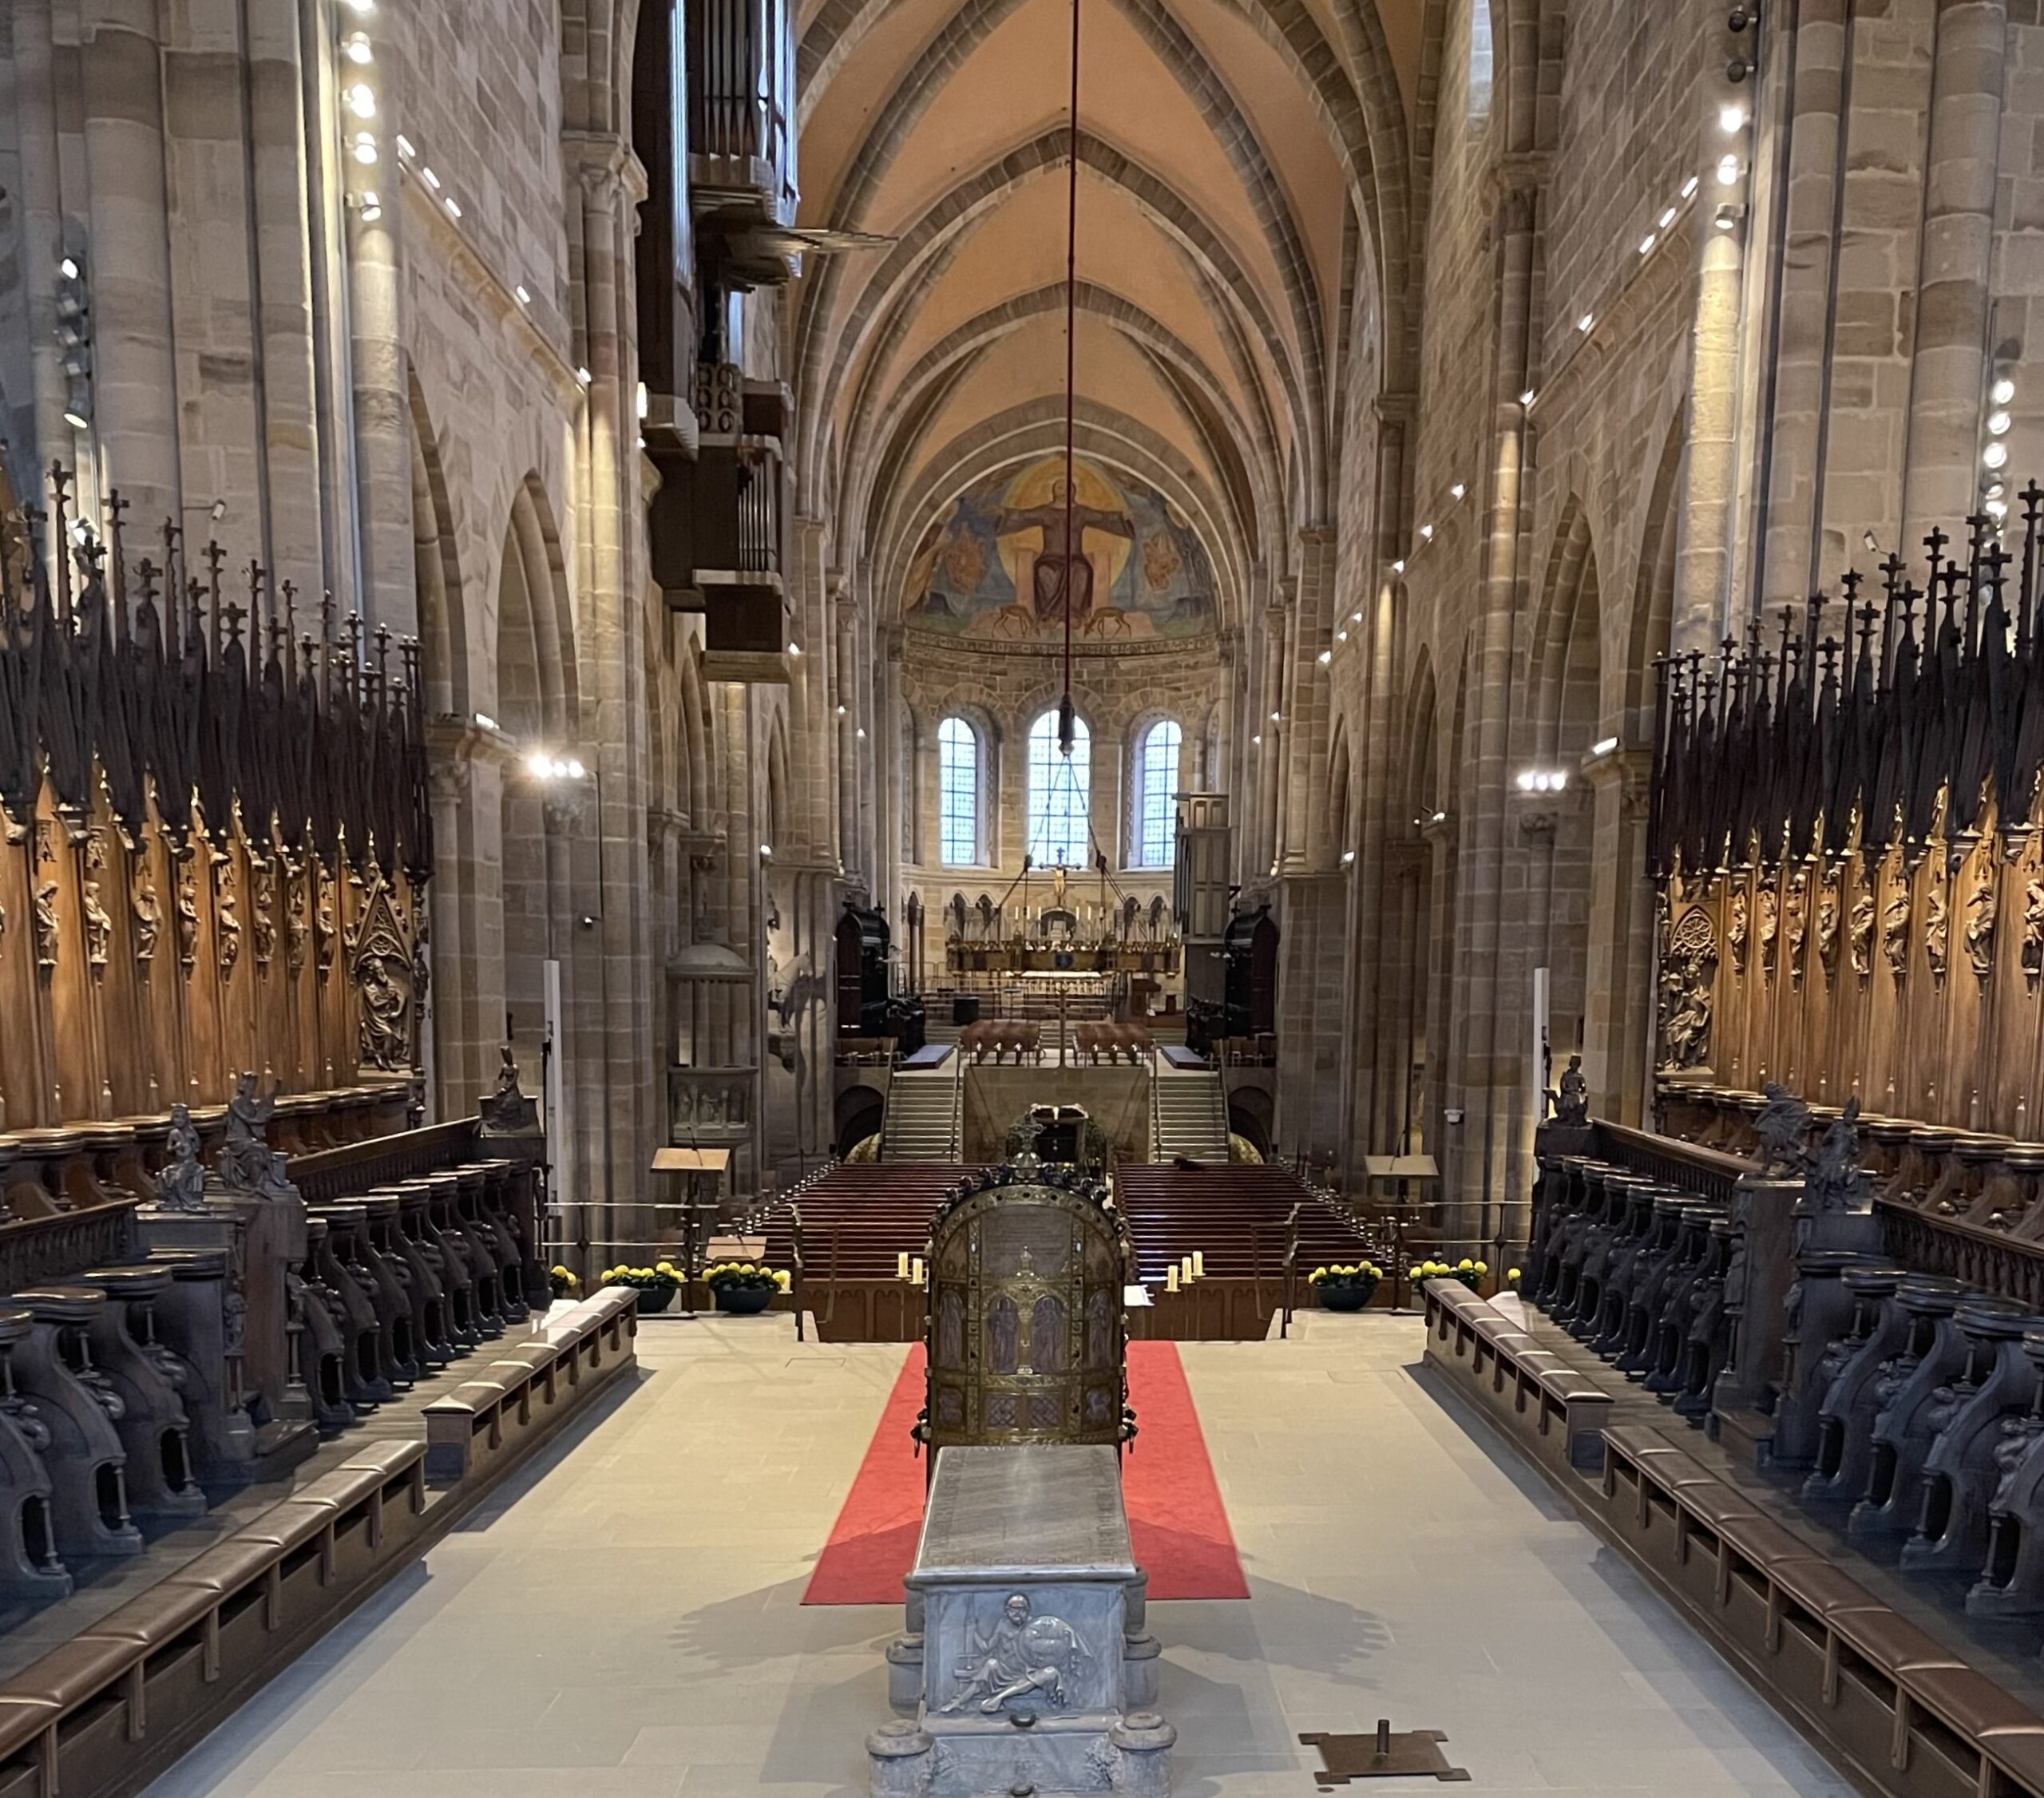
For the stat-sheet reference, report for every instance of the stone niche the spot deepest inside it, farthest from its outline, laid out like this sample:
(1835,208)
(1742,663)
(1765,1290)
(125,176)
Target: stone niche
(1032,1653)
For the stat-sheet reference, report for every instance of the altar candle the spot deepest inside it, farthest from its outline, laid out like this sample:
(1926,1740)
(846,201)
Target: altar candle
(1171,1277)
(916,1270)
(1199,1264)
(901,1265)
(1188,1272)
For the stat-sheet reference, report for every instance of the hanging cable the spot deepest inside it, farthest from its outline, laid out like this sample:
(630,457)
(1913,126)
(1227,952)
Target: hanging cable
(1065,710)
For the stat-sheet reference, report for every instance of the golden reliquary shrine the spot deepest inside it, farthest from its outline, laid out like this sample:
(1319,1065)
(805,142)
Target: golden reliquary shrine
(217,833)
(1027,1342)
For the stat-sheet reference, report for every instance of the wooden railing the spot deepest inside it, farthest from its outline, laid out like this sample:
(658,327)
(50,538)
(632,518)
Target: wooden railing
(328,1175)
(35,1250)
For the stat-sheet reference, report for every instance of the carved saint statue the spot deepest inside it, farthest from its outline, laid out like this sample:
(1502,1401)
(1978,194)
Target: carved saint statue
(1861,931)
(181,1185)
(297,927)
(1781,1126)
(1795,920)
(2033,929)
(1894,926)
(99,925)
(1828,926)
(1769,929)
(1982,910)
(46,925)
(1937,933)
(247,1163)
(1835,1182)
(148,912)
(326,932)
(263,914)
(1571,1099)
(1022,1657)
(227,926)
(188,921)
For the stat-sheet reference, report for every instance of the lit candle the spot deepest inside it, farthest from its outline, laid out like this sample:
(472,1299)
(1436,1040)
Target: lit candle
(1171,1277)
(1199,1264)
(901,1265)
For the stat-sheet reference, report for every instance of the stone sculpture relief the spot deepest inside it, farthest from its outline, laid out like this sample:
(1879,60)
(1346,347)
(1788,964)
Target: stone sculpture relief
(99,925)
(226,925)
(1795,920)
(2032,930)
(247,1163)
(187,920)
(1686,970)
(1024,1657)
(1769,929)
(382,970)
(263,914)
(1828,921)
(46,925)
(147,910)
(1735,930)
(1835,1182)
(1937,933)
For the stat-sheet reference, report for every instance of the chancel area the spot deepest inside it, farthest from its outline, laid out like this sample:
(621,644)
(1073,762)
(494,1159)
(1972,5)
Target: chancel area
(1027,897)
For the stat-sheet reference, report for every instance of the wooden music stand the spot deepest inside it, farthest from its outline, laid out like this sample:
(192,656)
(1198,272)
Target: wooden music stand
(1401,1171)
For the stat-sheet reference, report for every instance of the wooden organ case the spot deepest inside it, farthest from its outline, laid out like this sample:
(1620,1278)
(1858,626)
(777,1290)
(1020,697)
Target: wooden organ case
(1026,1338)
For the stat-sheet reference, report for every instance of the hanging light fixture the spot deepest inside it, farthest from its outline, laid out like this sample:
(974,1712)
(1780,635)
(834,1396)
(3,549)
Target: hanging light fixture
(1066,712)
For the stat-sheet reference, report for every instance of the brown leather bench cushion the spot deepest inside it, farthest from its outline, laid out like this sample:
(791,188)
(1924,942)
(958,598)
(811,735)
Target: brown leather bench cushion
(228,1567)
(388,1459)
(2020,1751)
(343,1487)
(1763,1541)
(1969,1701)
(293,1524)
(157,1615)
(1718,1504)
(76,1671)
(22,1721)
(1565,1385)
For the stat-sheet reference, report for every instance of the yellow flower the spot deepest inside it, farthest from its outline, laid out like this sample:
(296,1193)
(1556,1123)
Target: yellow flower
(1318,1274)
(782,1278)
(1481,1267)
(1463,1266)
(1511,1274)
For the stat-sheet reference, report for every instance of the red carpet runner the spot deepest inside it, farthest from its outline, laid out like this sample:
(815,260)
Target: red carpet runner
(1175,1516)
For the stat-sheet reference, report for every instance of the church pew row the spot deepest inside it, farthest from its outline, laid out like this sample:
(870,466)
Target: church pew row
(1538,1398)
(1908,1716)
(106,1713)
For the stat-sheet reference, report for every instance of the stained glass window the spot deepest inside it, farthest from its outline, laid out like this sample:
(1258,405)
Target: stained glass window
(1061,790)
(1156,789)
(958,792)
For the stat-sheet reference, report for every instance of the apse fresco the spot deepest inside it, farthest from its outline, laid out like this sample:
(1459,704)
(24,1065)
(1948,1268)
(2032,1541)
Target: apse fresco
(992,567)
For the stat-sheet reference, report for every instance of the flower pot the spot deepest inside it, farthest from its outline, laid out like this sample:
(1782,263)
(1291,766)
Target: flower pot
(654,1299)
(743,1301)
(1344,1298)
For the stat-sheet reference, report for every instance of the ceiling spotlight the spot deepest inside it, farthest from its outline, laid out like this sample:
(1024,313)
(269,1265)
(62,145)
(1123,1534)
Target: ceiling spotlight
(355,48)
(1527,397)
(1728,171)
(365,148)
(1584,323)
(1731,117)
(1689,187)
(1667,217)
(1398,567)
(432,179)
(362,100)
(1996,454)
(583,376)
(2002,391)
(76,421)
(1458,489)
(405,147)
(453,211)
(1427,533)
(1997,424)
(1326,656)
(524,299)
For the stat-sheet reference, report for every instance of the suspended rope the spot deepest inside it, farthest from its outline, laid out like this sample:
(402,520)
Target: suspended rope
(1065,711)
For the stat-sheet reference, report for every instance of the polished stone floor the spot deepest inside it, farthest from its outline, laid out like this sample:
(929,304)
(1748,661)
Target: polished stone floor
(624,1619)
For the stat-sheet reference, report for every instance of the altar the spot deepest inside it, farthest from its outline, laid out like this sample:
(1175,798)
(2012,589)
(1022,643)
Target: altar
(1028,1665)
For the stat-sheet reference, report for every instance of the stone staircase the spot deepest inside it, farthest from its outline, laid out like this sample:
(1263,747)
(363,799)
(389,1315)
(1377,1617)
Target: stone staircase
(1190,1118)
(922,1122)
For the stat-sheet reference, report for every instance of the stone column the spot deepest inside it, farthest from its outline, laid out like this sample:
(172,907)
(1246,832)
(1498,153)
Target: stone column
(127,255)
(37,427)
(382,403)
(1306,832)
(1269,759)
(844,692)
(1703,543)
(1618,1001)
(1942,473)
(1802,360)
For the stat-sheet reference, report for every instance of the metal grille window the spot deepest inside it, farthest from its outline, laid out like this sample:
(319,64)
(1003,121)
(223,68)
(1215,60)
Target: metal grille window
(1061,793)
(1156,790)
(958,792)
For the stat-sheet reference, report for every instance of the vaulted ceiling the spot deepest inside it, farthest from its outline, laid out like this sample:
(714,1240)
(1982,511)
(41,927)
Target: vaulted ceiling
(1243,194)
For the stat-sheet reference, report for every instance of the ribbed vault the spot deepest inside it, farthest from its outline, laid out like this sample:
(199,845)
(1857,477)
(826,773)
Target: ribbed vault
(1244,190)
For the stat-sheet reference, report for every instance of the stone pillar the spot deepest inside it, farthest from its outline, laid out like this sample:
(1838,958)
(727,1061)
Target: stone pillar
(1703,545)
(1308,832)
(1262,853)
(382,403)
(844,691)
(1618,1019)
(1802,359)
(1487,1058)
(39,433)
(127,256)
(1941,474)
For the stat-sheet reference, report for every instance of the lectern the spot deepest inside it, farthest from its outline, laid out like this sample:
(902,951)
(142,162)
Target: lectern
(1399,1172)
(690,1165)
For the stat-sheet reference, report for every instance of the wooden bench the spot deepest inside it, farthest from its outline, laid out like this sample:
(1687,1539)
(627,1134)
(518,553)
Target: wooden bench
(1908,1714)
(1523,1389)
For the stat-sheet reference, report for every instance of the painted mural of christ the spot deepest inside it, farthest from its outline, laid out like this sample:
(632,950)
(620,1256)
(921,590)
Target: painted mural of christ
(1054,565)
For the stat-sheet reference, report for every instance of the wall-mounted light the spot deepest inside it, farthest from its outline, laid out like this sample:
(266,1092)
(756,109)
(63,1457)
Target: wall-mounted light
(862,733)
(1256,741)
(1398,567)
(1458,489)
(77,420)
(1426,533)
(365,148)
(645,402)
(361,100)
(1324,657)
(1528,397)
(485,721)
(1997,424)
(1340,636)
(1646,245)
(1731,117)
(372,208)
(541,766)
(1602,748)
(1586,323)
(583,376)
(1347,856)
(524,299)
(1995,455)
(840,711)
(432,179)
(1542,780)
(2002,391)
(795,649)
(766,852)
(1727,172)
(406,148)
(1667,217)
(1689,187)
